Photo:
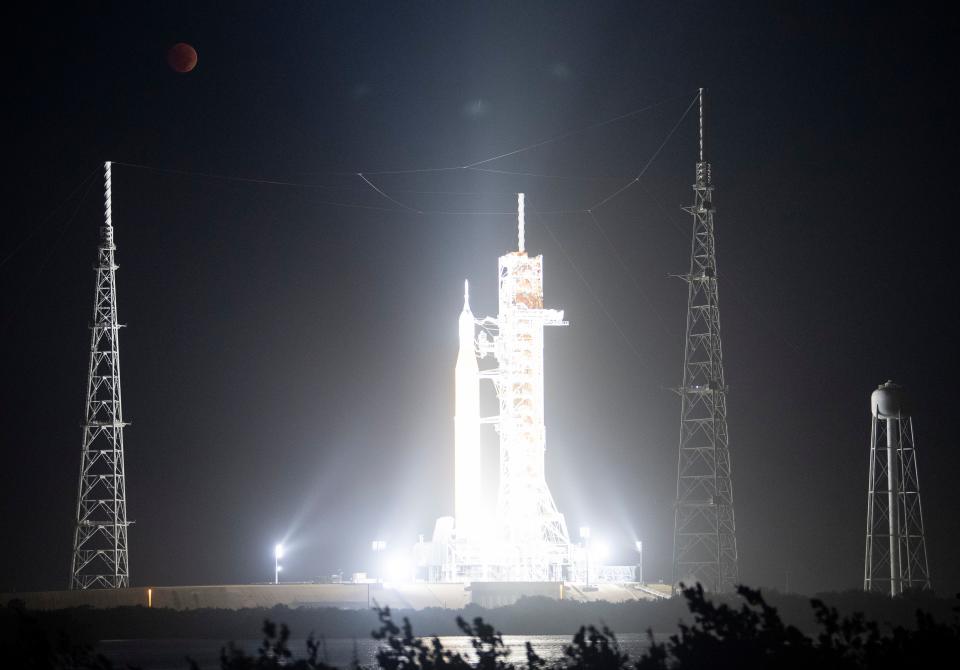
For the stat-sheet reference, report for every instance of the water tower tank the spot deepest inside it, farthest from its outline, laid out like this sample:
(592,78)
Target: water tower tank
(889,401)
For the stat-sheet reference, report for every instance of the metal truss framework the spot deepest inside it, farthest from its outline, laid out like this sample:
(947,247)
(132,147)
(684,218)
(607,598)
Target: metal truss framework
(896,549)
(704,540)
(100,558)
(533,543)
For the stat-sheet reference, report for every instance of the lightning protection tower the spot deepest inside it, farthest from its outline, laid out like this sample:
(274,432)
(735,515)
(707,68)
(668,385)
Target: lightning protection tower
(704,539)
(100,535)
(896,552)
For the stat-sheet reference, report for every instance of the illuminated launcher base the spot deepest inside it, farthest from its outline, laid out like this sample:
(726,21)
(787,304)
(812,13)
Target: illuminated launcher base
(446,559)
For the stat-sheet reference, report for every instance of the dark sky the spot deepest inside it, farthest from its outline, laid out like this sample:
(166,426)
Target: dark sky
(288,360)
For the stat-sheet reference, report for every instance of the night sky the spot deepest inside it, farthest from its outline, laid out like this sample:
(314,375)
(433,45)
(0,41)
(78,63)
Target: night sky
(288,359)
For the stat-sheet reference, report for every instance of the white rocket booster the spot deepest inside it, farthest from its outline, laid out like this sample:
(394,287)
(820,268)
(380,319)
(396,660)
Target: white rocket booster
(467,459)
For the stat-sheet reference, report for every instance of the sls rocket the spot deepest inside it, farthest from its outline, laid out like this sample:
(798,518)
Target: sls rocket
(467,460)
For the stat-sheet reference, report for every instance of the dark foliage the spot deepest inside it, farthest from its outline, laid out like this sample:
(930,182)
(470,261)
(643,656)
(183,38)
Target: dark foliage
(754,636)
(27,643)
(404,651)
(274,652)
(721,635)
(529,616)
(593,649)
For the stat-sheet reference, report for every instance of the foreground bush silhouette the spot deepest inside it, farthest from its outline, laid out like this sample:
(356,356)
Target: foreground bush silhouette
(25,642)
(274,653)
(751,636)
(720,636)
(590,648)
(754,636)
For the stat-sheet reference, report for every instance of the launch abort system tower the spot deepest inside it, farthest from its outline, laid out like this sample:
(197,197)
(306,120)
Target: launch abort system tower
(704,538)
(100,534)
(896,550)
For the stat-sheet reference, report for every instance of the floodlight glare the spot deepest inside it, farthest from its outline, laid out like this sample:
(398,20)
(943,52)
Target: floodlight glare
(584,532)
(640,567)
(277,555)
(397,569)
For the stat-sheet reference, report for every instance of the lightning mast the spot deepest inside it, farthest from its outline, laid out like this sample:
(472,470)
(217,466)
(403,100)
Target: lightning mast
(100,535)
(704,539)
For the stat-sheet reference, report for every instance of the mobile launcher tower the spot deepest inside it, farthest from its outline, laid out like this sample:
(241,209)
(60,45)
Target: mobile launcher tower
(525,538)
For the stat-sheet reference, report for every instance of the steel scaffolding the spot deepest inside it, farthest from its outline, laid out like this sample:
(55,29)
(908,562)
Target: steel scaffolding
(531,542)
(100,557)
(704,540)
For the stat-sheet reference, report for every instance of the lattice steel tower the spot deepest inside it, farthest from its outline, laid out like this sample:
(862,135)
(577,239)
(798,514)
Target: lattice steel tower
(100,557)
(896,553)
(704,539)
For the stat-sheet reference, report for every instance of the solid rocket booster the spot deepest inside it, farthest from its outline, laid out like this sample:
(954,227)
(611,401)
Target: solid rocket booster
(467,459)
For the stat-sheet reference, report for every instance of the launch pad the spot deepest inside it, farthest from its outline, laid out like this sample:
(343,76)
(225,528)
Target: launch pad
(524,538)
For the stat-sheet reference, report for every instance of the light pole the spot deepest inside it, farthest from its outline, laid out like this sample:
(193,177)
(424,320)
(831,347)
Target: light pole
(378,547)
(585,536)
(277,555)
(640,551)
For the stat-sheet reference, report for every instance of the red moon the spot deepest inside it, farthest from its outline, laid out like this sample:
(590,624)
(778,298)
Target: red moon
(182,57)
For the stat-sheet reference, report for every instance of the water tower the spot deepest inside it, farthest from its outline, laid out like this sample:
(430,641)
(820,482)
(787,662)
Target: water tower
(896,549)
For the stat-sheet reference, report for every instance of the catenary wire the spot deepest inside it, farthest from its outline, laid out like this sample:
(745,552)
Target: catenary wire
(649,162)
(53,247)
(636,284)
(254,180)
(547,176)
(593,294)
(523,149)
(36,229)
(391,199)
(365,177)
(566,135)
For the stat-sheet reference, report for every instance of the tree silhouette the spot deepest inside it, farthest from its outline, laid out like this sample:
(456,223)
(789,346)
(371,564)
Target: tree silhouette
(749,637)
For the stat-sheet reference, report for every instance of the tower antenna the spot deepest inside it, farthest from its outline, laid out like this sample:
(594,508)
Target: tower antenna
(702,148)
(100,535)
(704,537)
(520,224)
